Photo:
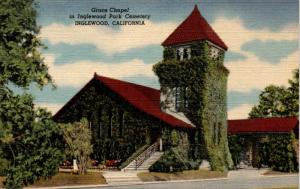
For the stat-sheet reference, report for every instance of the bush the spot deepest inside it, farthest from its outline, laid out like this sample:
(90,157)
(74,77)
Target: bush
(236,146)
(173,161)
(282,156)
(3,166)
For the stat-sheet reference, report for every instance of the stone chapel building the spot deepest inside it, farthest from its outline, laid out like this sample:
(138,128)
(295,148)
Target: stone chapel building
(188,115)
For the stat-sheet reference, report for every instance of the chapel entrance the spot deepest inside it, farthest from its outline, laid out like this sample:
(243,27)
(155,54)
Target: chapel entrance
(155,136)
(249,155)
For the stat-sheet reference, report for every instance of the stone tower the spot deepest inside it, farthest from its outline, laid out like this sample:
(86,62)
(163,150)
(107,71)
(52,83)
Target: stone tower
(194,85)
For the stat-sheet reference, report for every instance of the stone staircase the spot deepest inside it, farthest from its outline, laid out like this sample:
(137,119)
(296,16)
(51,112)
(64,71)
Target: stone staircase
(143,161)
(128,175)
(145,165)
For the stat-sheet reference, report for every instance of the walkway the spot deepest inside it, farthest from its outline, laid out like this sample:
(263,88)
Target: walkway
(120,177)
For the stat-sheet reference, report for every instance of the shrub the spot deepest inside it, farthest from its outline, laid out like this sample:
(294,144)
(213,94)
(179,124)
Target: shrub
(283,156)
(3,166)
(173,161)
(236,145)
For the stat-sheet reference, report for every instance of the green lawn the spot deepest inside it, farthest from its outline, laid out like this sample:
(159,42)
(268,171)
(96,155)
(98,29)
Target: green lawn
(68,179)
(185,175)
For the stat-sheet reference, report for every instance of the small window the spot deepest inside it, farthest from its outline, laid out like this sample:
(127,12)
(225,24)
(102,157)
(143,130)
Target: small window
(177,98)
(215,133)
(121,123)
(100,123)
(185,54)
(185,98)
(90,121)
(219,132)
(181,98)
(110,125)
(189,52)
(178,54)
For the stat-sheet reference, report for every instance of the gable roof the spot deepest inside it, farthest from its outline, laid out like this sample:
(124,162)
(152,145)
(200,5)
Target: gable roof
(147,100)
(193,28)
(143,98)
(263,125)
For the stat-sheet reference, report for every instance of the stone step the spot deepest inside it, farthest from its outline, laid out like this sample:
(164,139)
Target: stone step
(146,165)
(124,183)
(119,177)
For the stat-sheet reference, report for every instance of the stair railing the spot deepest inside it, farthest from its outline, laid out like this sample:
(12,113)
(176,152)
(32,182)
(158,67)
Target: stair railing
(146,155)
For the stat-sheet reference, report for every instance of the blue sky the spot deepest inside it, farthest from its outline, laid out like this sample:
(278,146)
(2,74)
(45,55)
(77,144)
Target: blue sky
(262,36)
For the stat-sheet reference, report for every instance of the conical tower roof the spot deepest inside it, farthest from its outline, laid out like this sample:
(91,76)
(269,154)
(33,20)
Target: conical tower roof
(194,28)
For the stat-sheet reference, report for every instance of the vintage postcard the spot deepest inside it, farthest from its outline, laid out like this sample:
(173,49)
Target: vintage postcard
(128,94)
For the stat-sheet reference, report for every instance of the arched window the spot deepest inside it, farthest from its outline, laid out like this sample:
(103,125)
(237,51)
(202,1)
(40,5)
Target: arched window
(121,123)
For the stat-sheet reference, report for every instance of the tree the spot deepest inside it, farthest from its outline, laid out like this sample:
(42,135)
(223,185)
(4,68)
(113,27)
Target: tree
(293,96)
(36,153)
(278,101)
(29,139)
(275,101)
(78,139)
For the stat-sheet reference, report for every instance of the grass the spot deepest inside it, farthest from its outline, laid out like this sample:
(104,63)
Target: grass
(68,179)
(185,175)
(270,172)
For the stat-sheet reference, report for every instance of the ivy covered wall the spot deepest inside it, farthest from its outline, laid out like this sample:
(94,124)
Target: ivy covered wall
(205,79)
(131,129)
(118,129)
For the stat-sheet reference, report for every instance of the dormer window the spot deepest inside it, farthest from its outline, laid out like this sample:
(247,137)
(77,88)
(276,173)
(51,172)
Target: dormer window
(183,53)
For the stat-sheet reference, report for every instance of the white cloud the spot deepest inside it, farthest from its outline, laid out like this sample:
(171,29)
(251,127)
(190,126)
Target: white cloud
(52,107)
(253,73)
(245,75)
(107,39)
(234,33)
(78,73)
(240,112)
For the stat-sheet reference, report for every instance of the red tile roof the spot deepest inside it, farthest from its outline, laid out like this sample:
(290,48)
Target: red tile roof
(194,28)
(263,125)
(143,98)
(147,100)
